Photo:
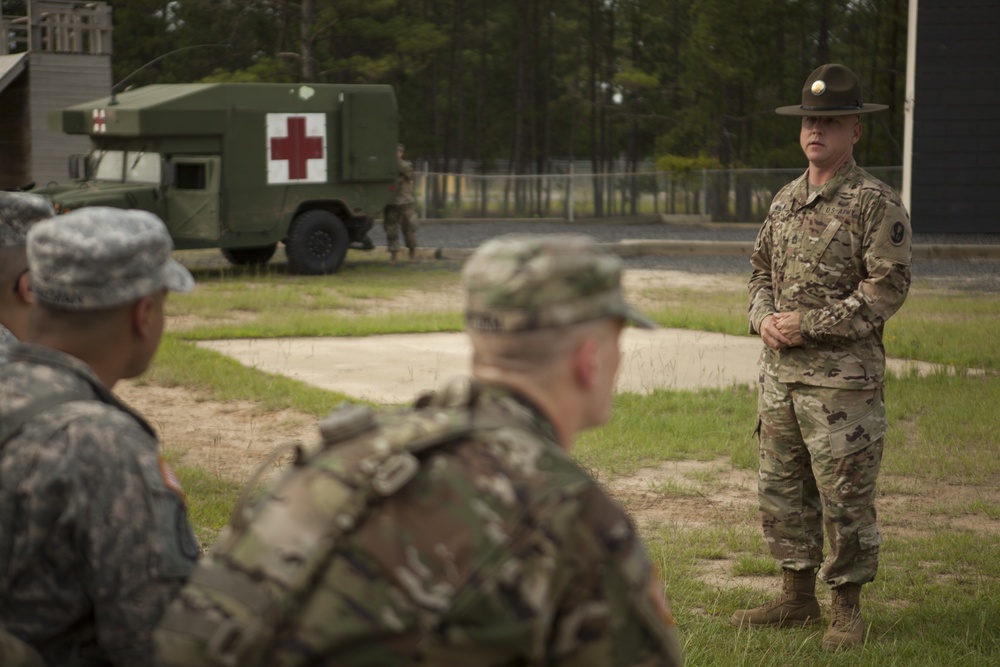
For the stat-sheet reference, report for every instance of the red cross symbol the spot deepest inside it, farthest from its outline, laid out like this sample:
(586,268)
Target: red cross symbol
(99,121)
(296,148)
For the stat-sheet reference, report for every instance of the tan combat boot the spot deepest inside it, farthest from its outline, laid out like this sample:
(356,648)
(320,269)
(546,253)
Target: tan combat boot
(797,605)
(847,628)
(413,254)
(392,256)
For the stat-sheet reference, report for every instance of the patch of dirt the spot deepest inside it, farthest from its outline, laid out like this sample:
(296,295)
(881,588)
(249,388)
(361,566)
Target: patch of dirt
(227,439)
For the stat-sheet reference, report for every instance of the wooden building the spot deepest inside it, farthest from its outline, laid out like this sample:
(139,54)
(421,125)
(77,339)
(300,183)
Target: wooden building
(57,56)
(951,170)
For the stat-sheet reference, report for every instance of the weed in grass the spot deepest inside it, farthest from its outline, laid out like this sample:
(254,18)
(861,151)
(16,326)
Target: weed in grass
(703,476)
(674,489)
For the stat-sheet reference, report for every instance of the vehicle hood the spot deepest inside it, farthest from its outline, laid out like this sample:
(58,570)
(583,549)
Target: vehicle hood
(95,193)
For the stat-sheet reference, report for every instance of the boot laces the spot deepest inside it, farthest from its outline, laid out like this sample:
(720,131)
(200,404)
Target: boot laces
(844,614)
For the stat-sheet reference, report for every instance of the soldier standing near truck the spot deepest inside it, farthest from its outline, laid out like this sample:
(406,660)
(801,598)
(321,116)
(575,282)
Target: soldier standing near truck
(399,212)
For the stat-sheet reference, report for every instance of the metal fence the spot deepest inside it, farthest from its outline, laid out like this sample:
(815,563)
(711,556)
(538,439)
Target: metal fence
(724,195)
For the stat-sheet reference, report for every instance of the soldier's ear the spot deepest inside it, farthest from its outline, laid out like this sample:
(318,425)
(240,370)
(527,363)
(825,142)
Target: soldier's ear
(141,316)
(586,362)
(23,288)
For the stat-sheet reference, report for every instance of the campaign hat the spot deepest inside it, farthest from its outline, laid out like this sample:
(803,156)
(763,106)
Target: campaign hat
(831,90)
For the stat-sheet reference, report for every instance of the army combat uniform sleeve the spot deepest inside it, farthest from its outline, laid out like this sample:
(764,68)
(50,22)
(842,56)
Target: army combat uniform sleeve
(136,543)
(612,610)
(405,171)
(761,290)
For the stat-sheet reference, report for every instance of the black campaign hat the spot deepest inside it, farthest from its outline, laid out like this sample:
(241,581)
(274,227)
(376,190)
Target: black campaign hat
(831,90)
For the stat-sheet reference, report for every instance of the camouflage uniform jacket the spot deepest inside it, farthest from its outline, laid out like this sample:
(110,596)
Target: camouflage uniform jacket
(7,341)
(403,194)
(93,544)
(496,550)
(840,256)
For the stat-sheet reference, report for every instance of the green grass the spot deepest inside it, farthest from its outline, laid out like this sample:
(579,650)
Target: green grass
(943,427)
(267,303)
(719,312)
(958,329)
(673,425)
(936,602)
(928,327)
(182,364)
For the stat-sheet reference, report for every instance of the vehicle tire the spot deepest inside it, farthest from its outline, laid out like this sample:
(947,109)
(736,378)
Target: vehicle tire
(253,256)
(316,244)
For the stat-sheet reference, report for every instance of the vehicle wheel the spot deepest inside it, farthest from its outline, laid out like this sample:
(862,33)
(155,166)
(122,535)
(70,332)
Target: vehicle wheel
(242,256)
(316,244)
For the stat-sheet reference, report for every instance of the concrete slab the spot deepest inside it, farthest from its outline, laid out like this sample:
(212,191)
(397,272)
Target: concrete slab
(392,369)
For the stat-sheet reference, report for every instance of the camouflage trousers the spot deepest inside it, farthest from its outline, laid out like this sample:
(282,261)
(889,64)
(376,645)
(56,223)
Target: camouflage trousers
(396,216)
(820,453)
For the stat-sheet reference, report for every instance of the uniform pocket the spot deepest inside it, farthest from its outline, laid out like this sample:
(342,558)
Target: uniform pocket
(858,434)
(869,537)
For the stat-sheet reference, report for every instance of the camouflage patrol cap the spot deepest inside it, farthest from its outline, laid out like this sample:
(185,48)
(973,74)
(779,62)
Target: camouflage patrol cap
(18,211)
(525,282)
(99,257)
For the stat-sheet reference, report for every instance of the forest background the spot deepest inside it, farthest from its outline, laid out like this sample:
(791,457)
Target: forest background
(512,86)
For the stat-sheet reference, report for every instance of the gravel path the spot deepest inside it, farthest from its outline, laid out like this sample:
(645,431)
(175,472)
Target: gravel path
(975,274)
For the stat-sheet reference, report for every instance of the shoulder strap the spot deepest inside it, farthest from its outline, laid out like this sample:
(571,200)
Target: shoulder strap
(268,559)
(11,424)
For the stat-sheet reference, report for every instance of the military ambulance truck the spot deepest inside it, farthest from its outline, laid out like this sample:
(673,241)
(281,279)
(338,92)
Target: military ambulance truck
(241,167)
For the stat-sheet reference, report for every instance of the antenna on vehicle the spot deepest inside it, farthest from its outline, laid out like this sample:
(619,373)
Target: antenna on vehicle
(116,88)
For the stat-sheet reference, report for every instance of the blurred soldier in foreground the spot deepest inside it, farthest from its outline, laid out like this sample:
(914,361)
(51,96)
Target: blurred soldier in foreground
(399,213)
(831,265)
(18,211)
(95,539)
(461,532)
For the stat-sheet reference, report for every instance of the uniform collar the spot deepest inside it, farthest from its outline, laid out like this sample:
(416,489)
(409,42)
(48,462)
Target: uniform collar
(809,194)
(46,356)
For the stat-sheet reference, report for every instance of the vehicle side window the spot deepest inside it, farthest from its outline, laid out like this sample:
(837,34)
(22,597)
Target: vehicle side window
(190,176)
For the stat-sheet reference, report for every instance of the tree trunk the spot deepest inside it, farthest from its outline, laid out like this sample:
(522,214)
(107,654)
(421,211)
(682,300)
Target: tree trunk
(306,34)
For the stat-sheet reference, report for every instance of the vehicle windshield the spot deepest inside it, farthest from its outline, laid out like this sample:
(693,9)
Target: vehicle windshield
(125,166)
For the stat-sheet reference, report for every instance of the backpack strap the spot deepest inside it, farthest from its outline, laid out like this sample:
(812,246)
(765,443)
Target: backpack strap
(268,560)
(12,423)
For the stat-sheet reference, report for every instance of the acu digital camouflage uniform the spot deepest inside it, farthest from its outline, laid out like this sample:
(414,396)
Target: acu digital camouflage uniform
(840,256)
(95,537)
(399,212)
(459,533)
(18,211)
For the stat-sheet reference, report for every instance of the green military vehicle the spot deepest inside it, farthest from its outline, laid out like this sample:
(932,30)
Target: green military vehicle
(241,167)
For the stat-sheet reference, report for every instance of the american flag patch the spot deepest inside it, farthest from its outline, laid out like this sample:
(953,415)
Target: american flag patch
(170,479)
